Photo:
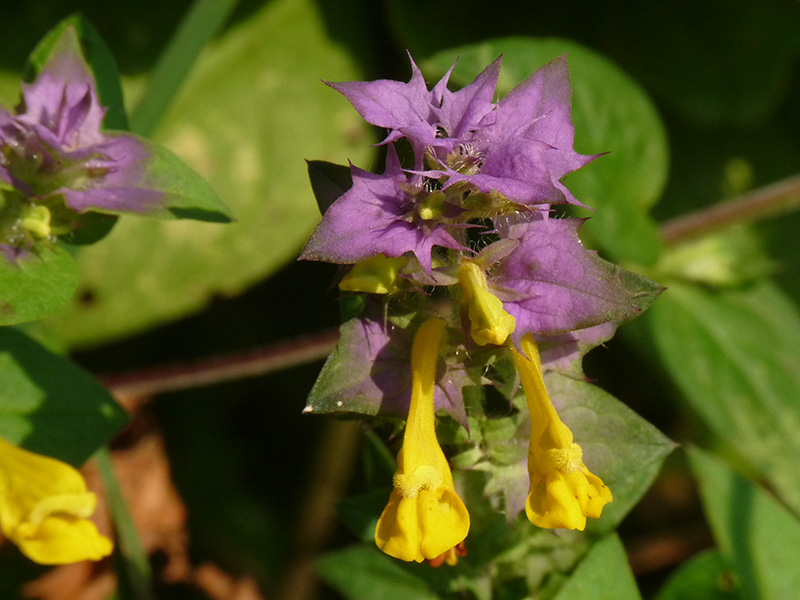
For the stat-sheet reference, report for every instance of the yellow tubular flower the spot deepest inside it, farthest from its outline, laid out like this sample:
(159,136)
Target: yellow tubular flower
(376,275)
(44,508)
(563,492)
(489,322)
(424,517)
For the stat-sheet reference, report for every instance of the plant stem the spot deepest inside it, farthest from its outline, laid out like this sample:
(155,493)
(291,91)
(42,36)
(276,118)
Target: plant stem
(224,368)
(758,204)
(135,573)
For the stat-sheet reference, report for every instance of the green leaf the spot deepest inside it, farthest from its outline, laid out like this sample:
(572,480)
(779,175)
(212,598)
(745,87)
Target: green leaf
(188,195)
(251,109)
(360,513)
(603,574)
(50,406)
(36,285)
(705,576)
(132,563)
(674,58)
(75,33)
(611,114)
(736,357)
(365,573)
(755,533)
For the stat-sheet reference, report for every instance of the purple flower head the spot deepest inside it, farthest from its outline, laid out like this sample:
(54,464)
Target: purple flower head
(526,148)
(386,214)
(520,148)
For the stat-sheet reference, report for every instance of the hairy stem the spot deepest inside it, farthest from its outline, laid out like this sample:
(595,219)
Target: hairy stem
(758,204)
(283,355)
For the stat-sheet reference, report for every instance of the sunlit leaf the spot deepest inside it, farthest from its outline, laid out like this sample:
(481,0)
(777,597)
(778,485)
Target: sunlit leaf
(249,113)
(757,536)
(736,357)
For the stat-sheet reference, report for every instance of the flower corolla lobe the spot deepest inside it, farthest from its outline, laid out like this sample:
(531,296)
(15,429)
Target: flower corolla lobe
(44,509)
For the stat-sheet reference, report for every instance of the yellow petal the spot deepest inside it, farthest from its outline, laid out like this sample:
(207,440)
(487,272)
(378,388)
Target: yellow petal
(43,508)
(61,539)
(422,527)
(552,505)
(420,446)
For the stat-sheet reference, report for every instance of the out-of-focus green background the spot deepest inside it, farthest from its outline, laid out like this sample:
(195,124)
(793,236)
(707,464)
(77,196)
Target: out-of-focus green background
(723,75)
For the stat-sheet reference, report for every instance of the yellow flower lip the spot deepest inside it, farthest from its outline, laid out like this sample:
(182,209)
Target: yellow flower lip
(563,492)
(44,509)
(424,517)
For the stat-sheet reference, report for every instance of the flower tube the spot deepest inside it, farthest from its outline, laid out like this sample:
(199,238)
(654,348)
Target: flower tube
(563,492)
(424,517)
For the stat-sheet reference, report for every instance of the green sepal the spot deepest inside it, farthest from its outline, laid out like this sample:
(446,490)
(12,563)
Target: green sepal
(36,284)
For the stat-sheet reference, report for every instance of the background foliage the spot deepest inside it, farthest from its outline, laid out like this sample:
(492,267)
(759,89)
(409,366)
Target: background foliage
(694,102)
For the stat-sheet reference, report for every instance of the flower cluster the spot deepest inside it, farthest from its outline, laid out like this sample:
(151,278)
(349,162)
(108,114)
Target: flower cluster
(462,263)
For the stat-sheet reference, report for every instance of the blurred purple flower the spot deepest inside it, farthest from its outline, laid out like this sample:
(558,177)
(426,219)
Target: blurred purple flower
(53,144)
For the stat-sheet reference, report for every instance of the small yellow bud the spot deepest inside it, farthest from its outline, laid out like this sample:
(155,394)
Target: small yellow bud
(489,321)
(431,208)
(376,275)
(37,221)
